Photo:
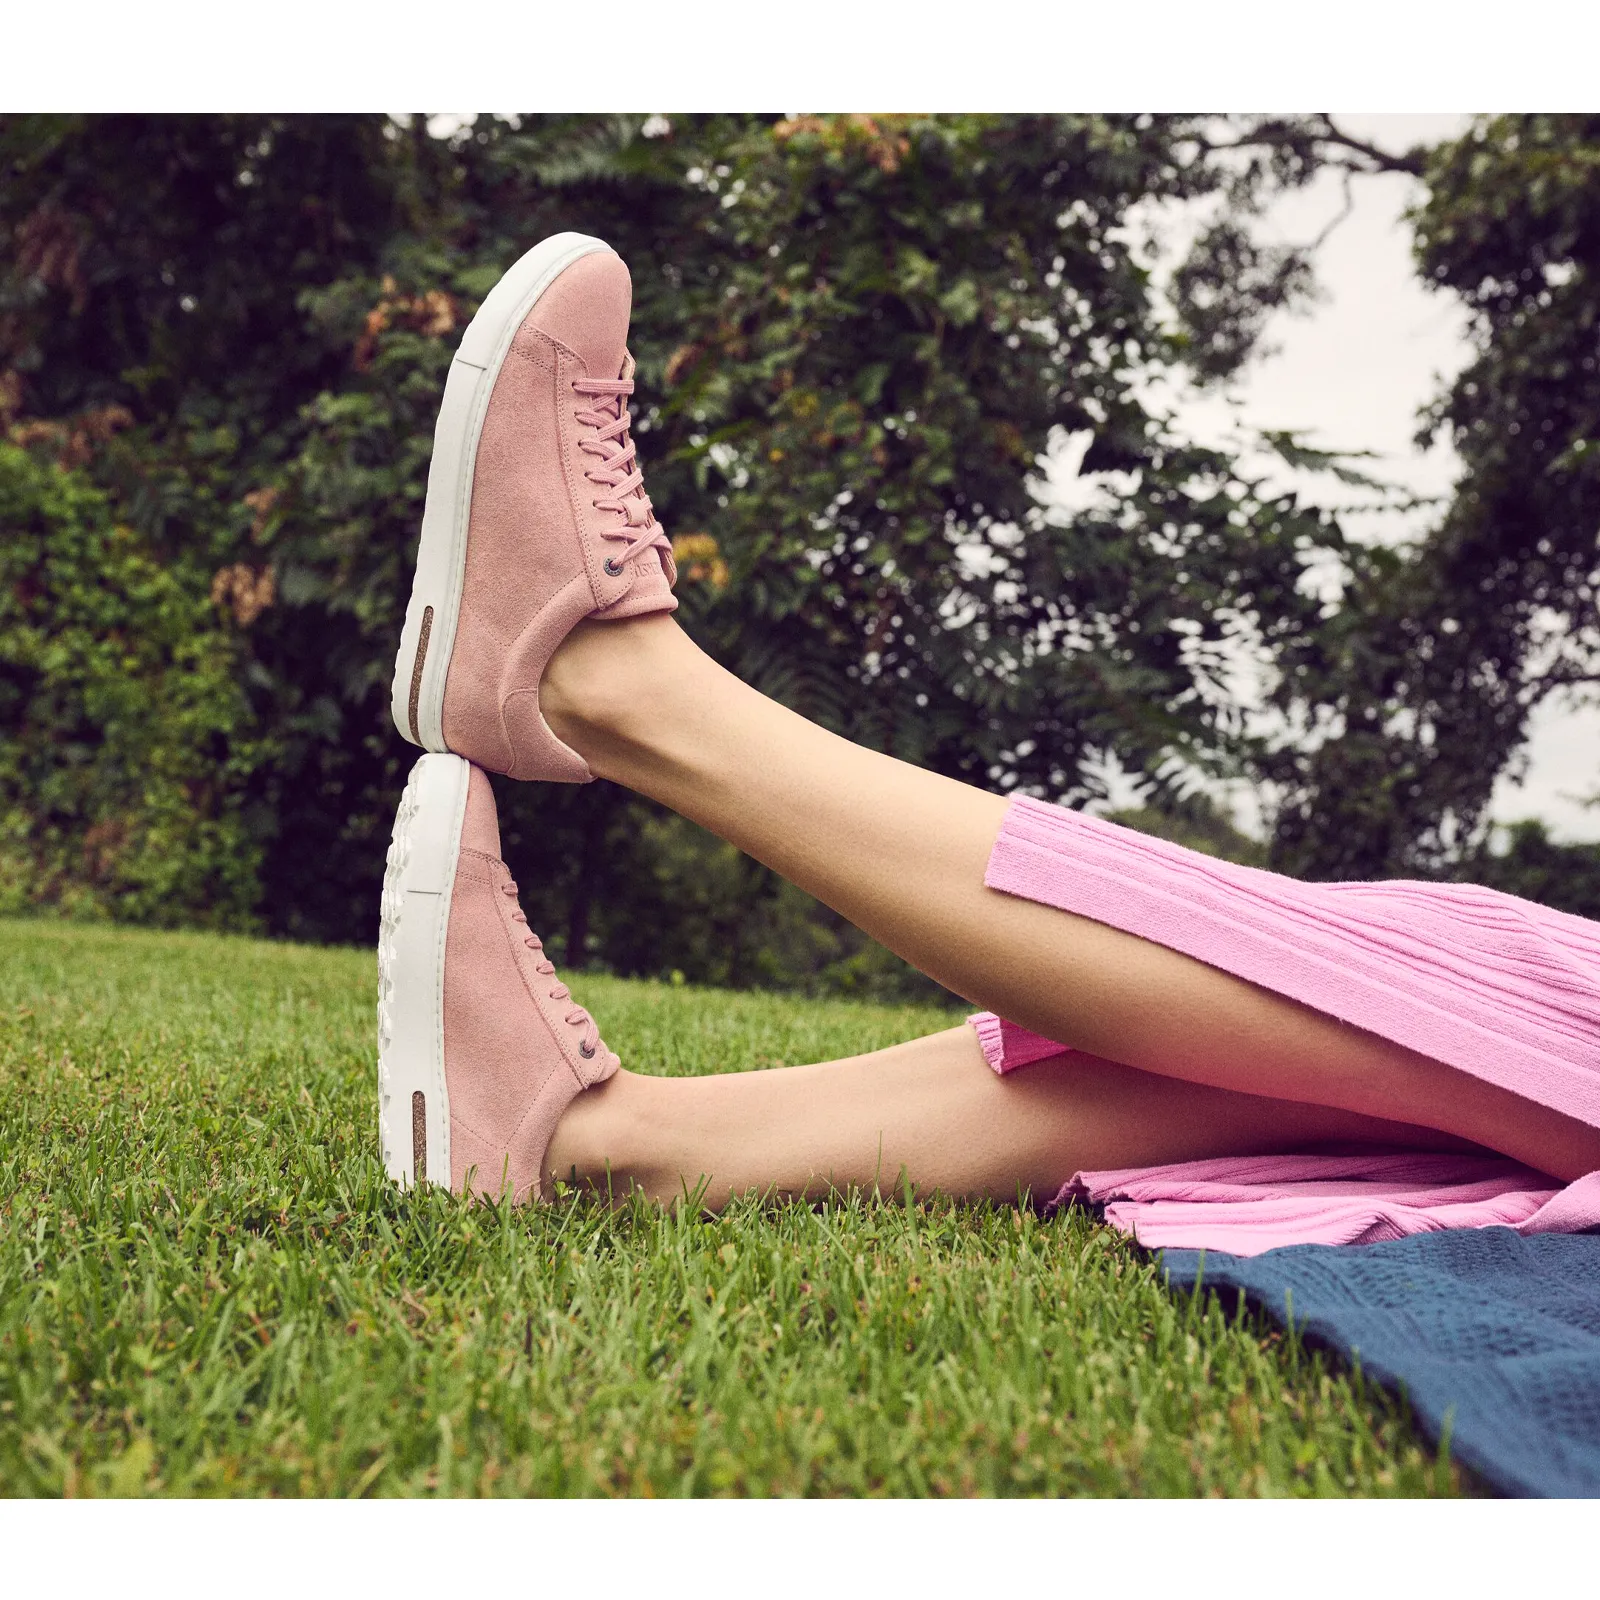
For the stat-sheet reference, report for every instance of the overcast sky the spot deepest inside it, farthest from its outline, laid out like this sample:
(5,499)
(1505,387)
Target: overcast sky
(1353,374)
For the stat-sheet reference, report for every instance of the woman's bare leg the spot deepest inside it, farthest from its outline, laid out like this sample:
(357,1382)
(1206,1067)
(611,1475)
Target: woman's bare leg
(901,852)
(930,1109)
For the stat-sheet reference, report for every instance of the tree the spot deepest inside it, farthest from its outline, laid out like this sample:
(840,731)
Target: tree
(893,320)
(1443,651)
(856,337)
(156,270)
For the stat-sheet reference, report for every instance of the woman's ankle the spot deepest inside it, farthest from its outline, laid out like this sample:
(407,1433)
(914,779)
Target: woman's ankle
(593,1146)
(598,689)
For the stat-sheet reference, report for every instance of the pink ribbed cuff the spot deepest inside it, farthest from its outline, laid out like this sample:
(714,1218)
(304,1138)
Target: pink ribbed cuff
(1007,1046)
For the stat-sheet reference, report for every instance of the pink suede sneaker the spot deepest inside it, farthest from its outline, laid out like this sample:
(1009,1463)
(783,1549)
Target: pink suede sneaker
(536,515)
(480,1047)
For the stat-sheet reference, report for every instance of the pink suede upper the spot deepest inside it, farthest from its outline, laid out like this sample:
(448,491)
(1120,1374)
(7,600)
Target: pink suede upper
(537,545)
(512,1061)
(480,824)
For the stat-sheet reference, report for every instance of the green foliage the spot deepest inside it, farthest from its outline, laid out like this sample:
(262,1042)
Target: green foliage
(124,736)
(1226,290)
(856,337)
(157,265)
(897,316)
(209,1287)
(735,924)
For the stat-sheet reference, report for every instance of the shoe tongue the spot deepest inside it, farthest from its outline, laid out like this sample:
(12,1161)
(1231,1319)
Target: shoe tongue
(587,309)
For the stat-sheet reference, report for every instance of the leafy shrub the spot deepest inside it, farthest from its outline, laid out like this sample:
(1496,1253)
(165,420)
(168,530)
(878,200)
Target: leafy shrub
(123,733)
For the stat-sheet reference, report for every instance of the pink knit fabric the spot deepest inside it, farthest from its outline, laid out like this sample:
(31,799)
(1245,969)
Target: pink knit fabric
(1008,1045)
(1487,983)
(1246,1205)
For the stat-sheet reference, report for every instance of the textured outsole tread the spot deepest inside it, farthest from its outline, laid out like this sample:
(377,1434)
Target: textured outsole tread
(390,907)
(413,934)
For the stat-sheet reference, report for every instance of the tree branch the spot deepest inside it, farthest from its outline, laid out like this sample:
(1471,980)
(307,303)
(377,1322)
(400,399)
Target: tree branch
(1274,134)
(1328,228)
(1410,161)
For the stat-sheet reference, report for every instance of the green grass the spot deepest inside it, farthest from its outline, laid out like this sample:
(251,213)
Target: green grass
(207,1286)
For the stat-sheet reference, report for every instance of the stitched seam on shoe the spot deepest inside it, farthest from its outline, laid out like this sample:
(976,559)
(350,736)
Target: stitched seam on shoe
(534,622)
(482,864)
(484,623)
(537,1183)
(533,1105)
(543,359)
(490,1140)
(508,695)
(537,618)
(521,751)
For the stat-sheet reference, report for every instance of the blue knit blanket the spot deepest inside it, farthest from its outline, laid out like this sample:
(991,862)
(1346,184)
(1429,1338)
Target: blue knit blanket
(1498,1333)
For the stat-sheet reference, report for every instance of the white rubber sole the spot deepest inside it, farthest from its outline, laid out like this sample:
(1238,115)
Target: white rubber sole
(417,693)
(413,1102)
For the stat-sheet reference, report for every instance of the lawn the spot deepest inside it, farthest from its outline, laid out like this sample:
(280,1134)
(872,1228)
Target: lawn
(208,1287)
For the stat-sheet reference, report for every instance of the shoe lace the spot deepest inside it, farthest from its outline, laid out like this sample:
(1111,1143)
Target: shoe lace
(616,468)
(576,1016)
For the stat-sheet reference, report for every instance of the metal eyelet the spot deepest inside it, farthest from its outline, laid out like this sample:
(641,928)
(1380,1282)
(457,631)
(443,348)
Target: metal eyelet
(586,1051)
(613,568)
